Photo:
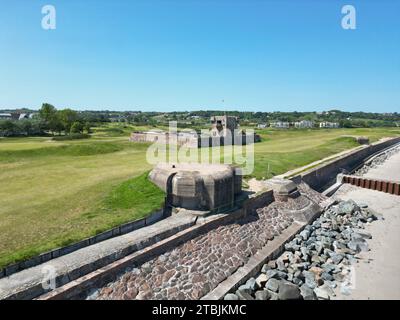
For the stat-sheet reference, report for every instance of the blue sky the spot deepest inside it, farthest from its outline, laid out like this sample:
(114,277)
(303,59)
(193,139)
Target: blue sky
(189,55)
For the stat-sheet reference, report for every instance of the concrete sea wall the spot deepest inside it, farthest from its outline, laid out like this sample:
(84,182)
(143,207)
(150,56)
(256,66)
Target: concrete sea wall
(323,176)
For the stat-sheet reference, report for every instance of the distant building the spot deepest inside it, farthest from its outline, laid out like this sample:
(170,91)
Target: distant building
(280,125)
(329,125)
(218,135)
(262,125)
(16,116)
(23,116)
(180,138)
(221,124)
(304,124)
(5,116)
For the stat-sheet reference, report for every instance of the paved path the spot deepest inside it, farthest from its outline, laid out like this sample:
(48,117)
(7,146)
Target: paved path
(378,273)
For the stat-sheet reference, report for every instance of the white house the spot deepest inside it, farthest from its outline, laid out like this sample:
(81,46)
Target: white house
(280,125)
(5,116)
(329,125)
(304,124)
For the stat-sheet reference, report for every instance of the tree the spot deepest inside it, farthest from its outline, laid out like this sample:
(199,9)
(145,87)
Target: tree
(87,128)
(345,124)
(67,117)
(26,127)
(7,128)
(57,125)
(76,127)
(48,113)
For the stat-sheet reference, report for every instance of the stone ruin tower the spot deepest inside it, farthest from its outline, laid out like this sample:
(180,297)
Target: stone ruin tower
(221,124)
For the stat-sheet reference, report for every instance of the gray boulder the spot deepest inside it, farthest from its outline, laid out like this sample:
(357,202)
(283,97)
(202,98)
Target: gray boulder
(231,297)
(336,258)
(245,288)
(289,291)
(273,285)
(326,276)
(347,208)
(358,245)
(360,234)
(262,295)
(305,234)
(243,295)
(307,293)
(265,268)
(274,295)
(252,284)
(309,279)
(321,294)
(292,247)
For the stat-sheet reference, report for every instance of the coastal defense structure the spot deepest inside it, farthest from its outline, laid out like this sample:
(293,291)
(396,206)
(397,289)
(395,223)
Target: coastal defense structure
(198,186)
(224,131)
(223,125)
(190,139)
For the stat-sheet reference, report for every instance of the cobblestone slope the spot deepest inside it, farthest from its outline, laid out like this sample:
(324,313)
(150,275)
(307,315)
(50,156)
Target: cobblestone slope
(196,267)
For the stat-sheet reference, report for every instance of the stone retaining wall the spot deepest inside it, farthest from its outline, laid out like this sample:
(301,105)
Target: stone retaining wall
(117,231)
(257,201)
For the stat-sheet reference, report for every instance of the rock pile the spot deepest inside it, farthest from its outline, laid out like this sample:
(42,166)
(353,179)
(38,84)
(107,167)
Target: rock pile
(317,260)
(379,160)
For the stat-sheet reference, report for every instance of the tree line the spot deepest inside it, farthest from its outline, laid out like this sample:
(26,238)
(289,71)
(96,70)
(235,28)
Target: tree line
(49,121)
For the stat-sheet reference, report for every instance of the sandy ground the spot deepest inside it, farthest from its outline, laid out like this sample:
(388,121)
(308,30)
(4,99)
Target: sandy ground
(390,170)
(377,274)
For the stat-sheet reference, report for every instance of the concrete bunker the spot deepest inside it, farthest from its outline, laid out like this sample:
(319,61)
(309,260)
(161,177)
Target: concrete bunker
(198,186)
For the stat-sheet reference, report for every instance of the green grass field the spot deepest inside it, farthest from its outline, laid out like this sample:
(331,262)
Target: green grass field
(53,193)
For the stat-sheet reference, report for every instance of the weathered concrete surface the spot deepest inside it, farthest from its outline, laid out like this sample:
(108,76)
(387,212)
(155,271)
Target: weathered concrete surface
(378,273)
(389,171)
(198,186)
(27,284)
